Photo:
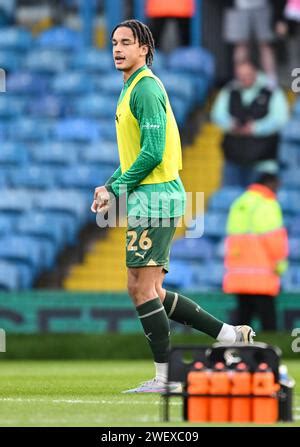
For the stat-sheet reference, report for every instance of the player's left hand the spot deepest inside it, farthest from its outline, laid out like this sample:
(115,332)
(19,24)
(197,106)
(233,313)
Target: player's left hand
(101,200)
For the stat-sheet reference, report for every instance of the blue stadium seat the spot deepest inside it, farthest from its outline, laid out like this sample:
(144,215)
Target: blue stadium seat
(223,198)
(291,131)
(27,275)
(289,154)
(200,277)
(49,106)
(220,249)
(32,177)
(72,83)
(290,178)
(15,38)
(294,226)
(5,224)
(60,38)
(179,276)
(3,131)
(294,248)
(42,60)
(3,178)
(178,84)
(95,106)
(109,84)
(9,60)
(216,273)
(11,106)
(70,203)
(289,200)
(202,86)
(192,59)
(192,249)
(195,226)
(29,129)
(13,154)
(67,222)
(296,110)
(108,130)
(77,129)
(49,251)
(102,153)
(215,224)
(208,275)
(159,62)
(84,177)
(291,279)
(55,153)
(14,202)
(9,276)
(180,108)
(43,225)
(26,83)
(21,249)
(93,60)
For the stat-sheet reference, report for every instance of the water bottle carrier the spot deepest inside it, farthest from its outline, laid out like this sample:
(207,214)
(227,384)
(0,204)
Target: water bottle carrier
(230,393)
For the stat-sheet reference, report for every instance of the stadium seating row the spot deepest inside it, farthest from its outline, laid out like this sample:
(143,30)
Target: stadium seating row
(196,60)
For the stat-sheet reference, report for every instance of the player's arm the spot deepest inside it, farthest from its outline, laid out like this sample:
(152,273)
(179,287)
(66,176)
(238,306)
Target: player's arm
(114,177)
(148,105)
(220,114)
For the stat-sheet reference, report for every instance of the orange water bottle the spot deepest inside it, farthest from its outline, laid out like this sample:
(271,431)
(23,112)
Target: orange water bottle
(198,382)
(241,383)
(219,385)
(265,407)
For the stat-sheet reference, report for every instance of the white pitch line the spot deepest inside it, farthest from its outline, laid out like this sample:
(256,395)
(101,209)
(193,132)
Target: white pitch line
(80,401)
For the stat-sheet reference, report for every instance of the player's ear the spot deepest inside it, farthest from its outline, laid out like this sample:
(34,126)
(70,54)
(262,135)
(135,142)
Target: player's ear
(144,50)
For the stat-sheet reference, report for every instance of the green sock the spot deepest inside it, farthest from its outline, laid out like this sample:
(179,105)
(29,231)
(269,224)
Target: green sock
(185,311)
(156,326)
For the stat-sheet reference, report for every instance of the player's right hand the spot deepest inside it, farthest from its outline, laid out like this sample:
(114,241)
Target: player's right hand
(101,200)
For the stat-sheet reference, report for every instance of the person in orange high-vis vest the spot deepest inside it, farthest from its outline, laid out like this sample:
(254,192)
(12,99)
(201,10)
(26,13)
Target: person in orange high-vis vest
(256,250)
(163,12)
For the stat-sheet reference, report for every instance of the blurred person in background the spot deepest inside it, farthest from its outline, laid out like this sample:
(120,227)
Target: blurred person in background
(248,19)
(170,22)
(288,25)
(256,250)
(251,116)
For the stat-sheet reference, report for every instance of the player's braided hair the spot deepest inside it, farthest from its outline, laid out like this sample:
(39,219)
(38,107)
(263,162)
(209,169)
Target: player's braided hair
(142,33)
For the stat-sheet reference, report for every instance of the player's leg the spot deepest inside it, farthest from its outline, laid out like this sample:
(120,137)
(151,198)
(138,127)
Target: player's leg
(147,251)
(155,323)
(183,310)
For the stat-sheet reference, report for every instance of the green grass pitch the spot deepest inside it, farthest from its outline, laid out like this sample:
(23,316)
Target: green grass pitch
(88,393)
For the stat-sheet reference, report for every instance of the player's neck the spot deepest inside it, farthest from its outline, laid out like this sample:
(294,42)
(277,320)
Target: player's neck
(131,71)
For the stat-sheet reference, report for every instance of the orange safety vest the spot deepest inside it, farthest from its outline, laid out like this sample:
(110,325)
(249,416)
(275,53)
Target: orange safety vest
(170,8)
(251,259)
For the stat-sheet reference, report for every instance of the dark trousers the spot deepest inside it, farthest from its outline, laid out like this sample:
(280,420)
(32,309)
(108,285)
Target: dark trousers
(157,26)
(261,306)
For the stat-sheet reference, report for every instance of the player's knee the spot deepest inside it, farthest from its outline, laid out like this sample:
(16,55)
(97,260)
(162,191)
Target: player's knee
(141,292)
